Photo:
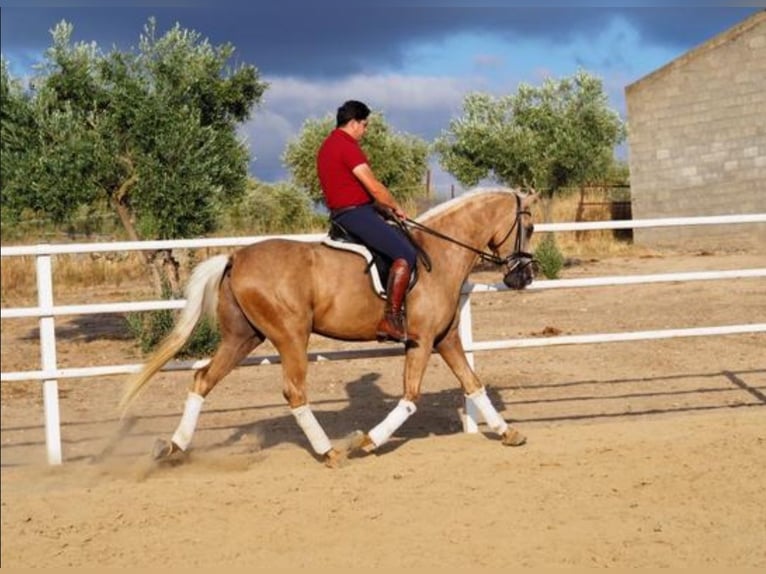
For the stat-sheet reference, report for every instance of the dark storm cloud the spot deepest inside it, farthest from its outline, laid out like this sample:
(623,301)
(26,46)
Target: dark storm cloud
(331,40)
(314,54)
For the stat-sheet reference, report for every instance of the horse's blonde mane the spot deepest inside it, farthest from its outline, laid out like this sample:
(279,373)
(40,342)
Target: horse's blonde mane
(452,204)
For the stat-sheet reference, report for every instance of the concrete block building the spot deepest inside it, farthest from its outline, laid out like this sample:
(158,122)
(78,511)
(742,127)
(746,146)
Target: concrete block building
(697,140)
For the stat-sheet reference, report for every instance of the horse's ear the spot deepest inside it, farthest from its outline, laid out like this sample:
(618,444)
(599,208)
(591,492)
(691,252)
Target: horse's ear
(531,198)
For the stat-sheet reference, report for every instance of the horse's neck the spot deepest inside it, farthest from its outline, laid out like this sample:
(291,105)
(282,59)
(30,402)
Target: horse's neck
(470,225)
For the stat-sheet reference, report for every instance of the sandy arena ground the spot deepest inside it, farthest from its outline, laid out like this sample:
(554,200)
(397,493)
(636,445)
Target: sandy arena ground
(639,454)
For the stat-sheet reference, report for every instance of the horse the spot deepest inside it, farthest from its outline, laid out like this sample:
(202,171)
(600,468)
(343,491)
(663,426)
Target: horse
(284,290)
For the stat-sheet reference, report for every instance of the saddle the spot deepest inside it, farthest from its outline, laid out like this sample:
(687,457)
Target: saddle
(378,265)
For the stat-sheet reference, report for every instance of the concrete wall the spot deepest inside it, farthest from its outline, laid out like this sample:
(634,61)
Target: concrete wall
(697,140)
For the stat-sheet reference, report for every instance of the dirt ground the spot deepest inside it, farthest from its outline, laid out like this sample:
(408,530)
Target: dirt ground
(645,453)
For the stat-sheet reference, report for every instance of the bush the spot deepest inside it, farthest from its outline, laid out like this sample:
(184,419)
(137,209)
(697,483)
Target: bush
(549,258)
(151,327)
(272,208)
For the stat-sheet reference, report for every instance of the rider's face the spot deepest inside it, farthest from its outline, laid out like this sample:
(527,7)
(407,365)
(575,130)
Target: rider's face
(359,128)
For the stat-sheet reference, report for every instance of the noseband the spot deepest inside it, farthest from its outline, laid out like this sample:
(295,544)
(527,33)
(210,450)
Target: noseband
(516,276)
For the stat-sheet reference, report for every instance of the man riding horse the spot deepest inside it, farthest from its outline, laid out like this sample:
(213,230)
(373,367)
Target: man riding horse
(351,192)
(283,290)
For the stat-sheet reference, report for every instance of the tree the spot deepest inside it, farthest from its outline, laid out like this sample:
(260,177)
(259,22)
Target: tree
(399,160)
(273,208)
(150,133)
(560,134)
(17,126)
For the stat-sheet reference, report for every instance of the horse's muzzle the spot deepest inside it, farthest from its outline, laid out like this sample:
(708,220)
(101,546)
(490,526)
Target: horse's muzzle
(521,271)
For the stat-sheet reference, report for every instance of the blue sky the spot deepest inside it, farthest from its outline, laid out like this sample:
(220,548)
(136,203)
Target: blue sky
(413,61)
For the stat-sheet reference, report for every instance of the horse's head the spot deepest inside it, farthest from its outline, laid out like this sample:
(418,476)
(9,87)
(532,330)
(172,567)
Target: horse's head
(511,244)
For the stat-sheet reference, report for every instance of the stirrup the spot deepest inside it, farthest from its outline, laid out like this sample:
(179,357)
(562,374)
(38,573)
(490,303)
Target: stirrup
(385,336)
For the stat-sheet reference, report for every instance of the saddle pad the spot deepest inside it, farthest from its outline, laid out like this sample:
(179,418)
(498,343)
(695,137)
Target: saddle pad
(360,249)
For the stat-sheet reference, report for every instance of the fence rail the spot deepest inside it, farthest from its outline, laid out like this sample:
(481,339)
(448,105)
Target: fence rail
(46,310)
(59,249)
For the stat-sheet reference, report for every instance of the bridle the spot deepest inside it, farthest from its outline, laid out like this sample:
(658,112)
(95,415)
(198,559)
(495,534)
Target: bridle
(515,263)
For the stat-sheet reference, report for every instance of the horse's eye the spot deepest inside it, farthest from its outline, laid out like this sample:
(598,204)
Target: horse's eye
(530,229)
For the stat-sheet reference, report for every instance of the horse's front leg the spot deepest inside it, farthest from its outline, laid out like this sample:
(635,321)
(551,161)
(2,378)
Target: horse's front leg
(451,350)
(416,360)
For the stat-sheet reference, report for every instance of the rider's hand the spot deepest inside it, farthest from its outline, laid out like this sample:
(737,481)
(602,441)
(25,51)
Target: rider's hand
(398,211)
(392,210)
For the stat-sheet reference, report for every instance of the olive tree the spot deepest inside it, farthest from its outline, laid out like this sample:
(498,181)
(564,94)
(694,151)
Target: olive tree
(149,133)
(268,208)
(560,134)
(17,127)
(399,160)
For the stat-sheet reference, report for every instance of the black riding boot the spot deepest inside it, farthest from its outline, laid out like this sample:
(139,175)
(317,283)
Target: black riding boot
(393,325)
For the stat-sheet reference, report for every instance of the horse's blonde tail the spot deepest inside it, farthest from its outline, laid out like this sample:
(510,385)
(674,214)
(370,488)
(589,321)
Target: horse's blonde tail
(201,299)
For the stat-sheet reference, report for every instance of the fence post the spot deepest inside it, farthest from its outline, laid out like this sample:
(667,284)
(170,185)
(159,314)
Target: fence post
(48,357)
(471,415)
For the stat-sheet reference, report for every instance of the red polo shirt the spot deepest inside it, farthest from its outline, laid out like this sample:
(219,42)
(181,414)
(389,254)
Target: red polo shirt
(338,156)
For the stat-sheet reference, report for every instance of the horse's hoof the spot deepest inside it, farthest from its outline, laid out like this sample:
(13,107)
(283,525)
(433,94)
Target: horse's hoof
(512,437)
(360,441)
(164,449)
(366,445)
(333,458)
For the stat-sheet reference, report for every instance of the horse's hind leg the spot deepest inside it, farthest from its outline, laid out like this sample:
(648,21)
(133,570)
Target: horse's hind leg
(451,350)
(238,339)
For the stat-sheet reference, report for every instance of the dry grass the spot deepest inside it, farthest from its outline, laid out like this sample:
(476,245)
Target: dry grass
(70,272)
(113,270)
(74,273)
(598,244)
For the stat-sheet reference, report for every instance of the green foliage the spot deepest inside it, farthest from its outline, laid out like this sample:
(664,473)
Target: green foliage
(399,160)
(550,260)
(150,132)
(618,174)
(273,208)
(17,125)
(151,327)
(560,134)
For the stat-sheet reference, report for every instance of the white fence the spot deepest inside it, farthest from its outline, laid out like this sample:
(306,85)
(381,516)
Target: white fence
(46,310)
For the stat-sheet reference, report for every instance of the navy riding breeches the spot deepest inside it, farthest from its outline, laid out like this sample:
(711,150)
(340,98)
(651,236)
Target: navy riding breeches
(367,225)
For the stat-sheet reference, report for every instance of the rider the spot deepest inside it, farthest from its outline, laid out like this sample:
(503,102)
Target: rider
(351,192)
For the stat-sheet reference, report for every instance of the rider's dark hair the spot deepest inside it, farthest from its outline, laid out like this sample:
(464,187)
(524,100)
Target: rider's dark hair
(351,110)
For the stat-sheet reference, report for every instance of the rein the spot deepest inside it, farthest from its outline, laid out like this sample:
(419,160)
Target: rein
(484,255)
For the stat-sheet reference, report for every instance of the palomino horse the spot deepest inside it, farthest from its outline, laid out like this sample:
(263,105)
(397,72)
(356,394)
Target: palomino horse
(284,290)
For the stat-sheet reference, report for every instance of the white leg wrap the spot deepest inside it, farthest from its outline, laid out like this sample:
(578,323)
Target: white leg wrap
(310,425)
(183,435)
(381,433)
(491,416)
